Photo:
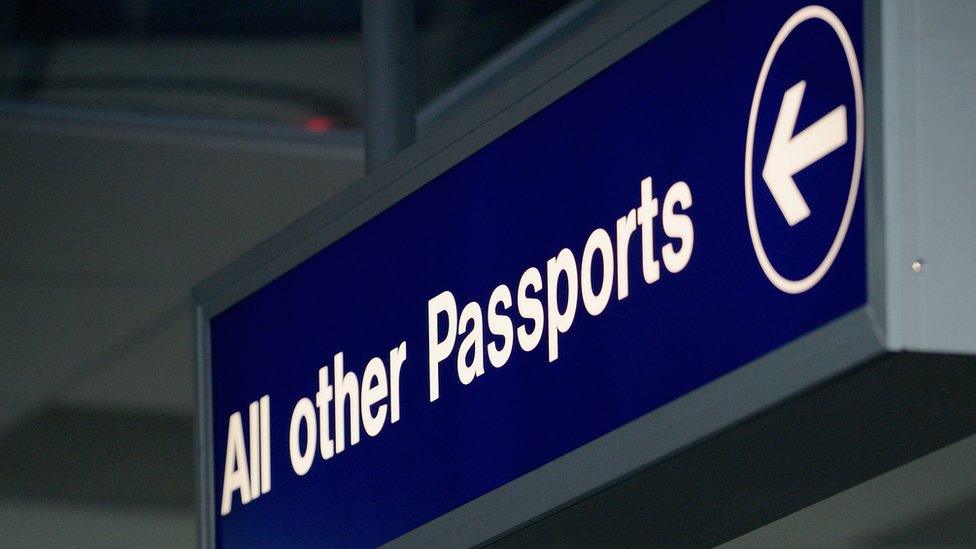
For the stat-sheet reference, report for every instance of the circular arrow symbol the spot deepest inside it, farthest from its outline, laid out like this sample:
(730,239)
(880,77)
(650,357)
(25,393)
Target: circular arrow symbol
(789,153)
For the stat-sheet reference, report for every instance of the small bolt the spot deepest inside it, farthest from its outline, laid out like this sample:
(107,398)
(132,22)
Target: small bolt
(917,265)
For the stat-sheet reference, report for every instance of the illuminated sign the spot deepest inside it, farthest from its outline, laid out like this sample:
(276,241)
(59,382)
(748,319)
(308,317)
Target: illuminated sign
(690,208)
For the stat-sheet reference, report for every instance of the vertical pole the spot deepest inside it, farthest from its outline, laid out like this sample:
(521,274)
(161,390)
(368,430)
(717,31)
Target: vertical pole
(388,46)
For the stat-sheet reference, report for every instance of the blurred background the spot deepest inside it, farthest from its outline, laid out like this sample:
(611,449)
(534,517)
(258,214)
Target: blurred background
(144,144)
(294,63)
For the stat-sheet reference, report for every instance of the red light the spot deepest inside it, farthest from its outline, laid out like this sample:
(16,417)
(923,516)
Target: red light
(318,124)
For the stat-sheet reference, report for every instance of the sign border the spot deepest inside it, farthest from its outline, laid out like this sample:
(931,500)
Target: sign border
(732,398)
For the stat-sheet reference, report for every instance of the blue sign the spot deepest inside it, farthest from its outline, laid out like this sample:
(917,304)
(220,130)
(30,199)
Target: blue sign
(687,210)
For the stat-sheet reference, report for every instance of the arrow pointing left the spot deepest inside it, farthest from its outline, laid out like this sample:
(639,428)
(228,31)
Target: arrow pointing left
(790,154)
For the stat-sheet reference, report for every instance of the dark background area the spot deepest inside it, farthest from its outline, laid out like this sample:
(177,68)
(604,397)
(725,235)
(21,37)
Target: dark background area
(38,37)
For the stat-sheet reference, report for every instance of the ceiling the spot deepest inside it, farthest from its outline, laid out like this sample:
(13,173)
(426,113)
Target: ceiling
(283,63)
(105,232)
(930,502)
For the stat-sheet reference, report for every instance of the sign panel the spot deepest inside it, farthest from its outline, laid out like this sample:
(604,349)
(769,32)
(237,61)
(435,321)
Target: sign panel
(690,208)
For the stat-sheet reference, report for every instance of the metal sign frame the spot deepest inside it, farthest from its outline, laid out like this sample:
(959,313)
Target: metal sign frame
(756,386)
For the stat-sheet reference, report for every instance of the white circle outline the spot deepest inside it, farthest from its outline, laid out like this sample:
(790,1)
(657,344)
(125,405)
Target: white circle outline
(799,286)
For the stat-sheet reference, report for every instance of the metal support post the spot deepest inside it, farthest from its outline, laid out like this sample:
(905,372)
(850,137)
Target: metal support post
(388,45)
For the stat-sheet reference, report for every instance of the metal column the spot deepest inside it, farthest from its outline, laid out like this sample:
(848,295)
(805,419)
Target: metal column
(388,45)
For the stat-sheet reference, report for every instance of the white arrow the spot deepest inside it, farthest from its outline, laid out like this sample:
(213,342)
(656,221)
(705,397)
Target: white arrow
(789,154)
